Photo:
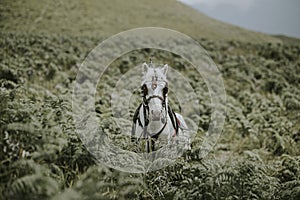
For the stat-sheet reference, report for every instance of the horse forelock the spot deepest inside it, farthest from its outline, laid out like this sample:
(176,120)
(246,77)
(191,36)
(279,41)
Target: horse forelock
(154,74)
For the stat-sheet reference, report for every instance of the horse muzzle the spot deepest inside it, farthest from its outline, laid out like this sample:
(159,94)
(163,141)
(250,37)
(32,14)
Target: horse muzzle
(156,115)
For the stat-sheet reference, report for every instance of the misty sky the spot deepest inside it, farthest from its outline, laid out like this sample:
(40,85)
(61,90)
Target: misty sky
(268,16)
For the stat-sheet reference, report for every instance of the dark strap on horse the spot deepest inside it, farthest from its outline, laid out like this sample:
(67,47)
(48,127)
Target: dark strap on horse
(173,119)
(171,113)
(136,118)
(136,115)
(159,132)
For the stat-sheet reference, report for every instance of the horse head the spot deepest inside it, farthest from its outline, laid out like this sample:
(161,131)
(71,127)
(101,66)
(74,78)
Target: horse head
(155,91)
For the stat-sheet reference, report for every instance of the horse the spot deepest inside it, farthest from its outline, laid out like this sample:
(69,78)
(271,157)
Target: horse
(154,119)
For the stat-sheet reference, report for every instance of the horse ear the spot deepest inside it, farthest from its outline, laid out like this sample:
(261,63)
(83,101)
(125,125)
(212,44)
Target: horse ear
(165,69)
(145,68)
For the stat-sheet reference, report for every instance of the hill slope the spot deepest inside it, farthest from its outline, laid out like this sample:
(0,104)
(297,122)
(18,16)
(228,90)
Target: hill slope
(256,157)
(107,17)
(42,157)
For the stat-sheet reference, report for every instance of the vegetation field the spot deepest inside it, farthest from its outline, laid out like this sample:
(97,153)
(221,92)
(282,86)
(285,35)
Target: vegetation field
(257,156)
(41,157)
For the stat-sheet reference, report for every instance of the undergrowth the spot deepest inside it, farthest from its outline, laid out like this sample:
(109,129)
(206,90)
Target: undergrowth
(257,156)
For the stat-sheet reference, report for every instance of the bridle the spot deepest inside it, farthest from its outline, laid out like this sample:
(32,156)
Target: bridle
(146,109)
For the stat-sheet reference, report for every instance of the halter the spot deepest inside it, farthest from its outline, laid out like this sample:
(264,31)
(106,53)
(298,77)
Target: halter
(163,98)
(146,108)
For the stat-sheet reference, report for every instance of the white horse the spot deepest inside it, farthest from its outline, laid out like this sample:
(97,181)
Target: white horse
(154,120)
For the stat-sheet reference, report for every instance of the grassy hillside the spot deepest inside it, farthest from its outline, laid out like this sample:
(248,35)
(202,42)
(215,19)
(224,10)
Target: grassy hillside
(288,40)
(41,157)
(256,157)
(106,17)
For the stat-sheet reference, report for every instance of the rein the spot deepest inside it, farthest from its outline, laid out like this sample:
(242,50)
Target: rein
(146,116)
(136,118)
